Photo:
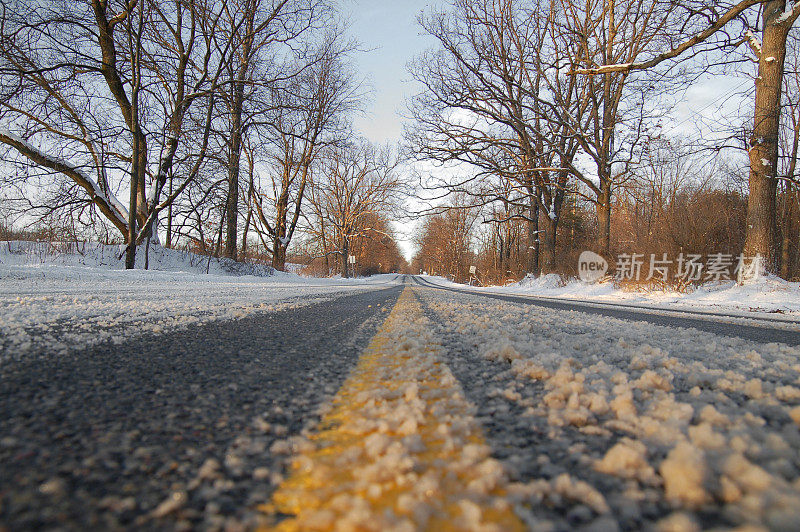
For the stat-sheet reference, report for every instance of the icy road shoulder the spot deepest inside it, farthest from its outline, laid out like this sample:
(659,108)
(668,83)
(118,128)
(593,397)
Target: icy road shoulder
(677,429)
(56,308)
(768,298)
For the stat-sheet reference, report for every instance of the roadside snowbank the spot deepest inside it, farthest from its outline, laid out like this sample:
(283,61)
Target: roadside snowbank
(95,255)
(58,302)
(770,294)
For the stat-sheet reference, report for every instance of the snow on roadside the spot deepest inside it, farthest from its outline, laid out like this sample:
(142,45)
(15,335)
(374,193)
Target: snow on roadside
(673,426)
(112,258)
(770,294)
(60,302)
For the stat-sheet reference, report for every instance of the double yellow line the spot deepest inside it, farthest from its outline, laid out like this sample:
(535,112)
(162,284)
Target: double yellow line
(399,449)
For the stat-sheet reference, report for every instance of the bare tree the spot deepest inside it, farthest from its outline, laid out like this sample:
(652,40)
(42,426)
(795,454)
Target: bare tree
(482,106)
(776,20)
(444,244)
(356,183)
(48,83)
(610,123)
(308,113)
(83,92)
(502,95)
(257,30)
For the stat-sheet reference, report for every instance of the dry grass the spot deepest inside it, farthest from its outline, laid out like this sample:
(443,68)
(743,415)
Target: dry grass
(655,285)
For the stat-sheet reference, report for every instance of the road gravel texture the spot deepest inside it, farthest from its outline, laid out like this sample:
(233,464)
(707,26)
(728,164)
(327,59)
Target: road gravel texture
(598,422)
(610,424)
(176,431)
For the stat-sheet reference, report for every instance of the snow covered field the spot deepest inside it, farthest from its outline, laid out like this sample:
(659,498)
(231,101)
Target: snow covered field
(768,295)
(61,301)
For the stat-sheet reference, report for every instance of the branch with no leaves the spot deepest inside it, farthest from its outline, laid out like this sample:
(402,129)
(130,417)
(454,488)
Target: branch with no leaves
(699,38)
(108,205)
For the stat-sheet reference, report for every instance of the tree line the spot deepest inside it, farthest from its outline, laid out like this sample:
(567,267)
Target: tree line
(222,126)
(547,117)
(225,127)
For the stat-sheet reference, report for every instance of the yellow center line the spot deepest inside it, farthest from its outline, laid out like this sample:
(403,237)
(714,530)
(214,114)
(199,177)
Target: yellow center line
(399,449)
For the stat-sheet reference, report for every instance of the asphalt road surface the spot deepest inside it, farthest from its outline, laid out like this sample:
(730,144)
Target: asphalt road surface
(101,438)
(760,329)
(561,416)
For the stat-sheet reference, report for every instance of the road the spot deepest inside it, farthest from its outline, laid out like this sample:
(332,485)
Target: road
(408,406)
(757,329)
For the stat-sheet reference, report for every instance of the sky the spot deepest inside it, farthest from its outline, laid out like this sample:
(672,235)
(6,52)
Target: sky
(390,38)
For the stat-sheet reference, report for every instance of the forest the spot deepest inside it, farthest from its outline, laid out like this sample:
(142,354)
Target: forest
(538,129)
(558,108)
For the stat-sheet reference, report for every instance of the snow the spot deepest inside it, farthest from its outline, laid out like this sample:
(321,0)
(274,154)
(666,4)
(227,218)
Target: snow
(691,422)
(787,14)
(764,297)
(608,68)
(61,296)
(755,42)
(684,472)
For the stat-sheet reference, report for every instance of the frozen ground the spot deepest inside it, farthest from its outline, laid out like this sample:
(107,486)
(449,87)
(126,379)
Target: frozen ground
(614,424)
(60,301)
(768,295)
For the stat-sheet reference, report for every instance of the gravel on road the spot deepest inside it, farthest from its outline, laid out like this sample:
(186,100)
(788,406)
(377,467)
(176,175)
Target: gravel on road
(181,430)
(612,424)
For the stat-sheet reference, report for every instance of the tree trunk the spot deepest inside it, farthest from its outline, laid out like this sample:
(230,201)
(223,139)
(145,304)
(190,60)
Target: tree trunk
(604,169)
(278,255)
(761,233)
(507,256)
(280,240)
(548,244)
(137,178)
(232,201)
(325,248)
(533,237)
(168,242)
(218,245)
(788,232)
(246,230)
(786,259)
(130,252)
(604,219)
(345,257)
(250,190)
